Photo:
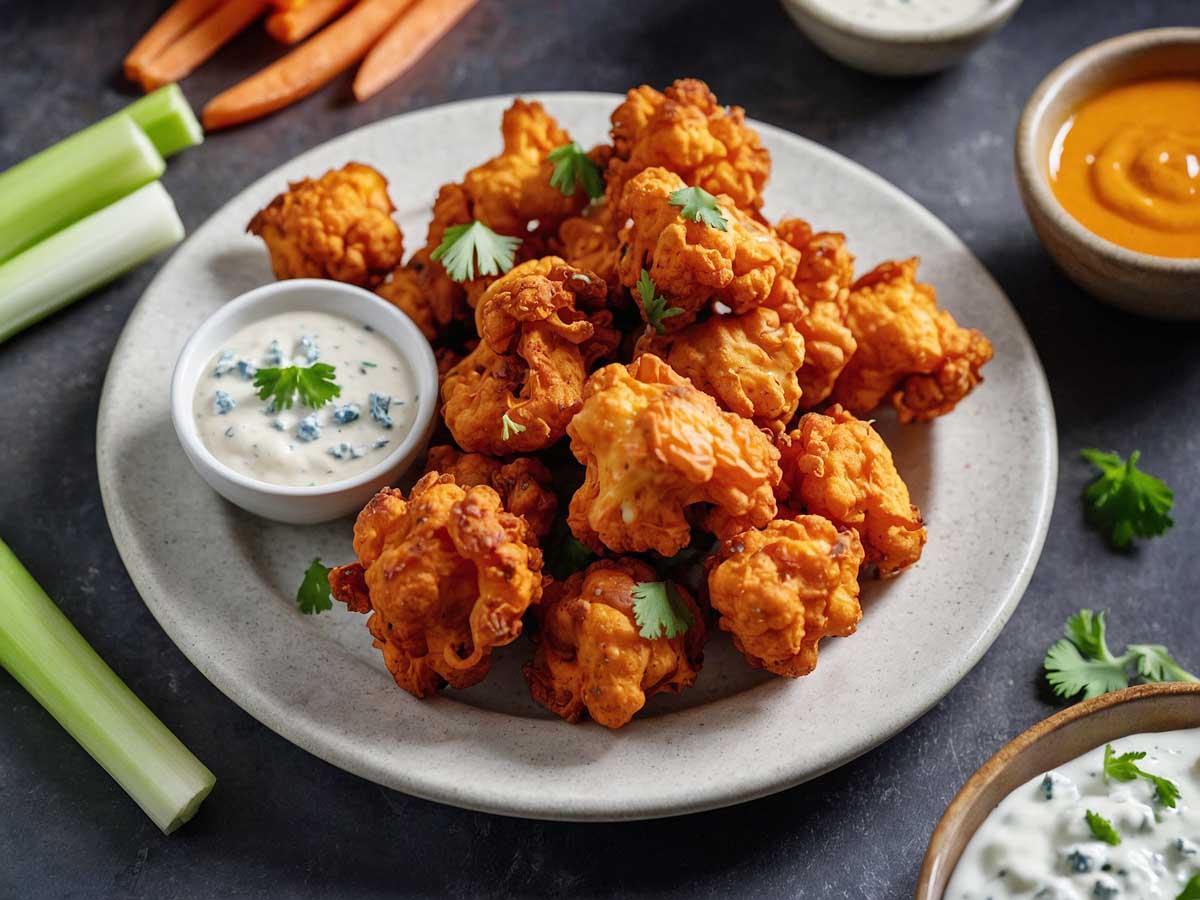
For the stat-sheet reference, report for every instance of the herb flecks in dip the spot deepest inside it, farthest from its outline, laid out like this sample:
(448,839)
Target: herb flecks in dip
(1126,165)
(304,446)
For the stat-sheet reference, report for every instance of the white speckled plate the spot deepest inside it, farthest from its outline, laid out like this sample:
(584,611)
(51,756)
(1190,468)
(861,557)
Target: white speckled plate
(222,583)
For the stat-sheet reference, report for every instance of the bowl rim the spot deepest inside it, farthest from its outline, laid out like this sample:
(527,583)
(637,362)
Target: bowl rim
(1030,736)
(419,357)
(994,16)
(1037,188)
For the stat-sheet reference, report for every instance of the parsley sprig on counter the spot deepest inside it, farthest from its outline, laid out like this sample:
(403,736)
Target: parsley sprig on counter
(1102,829)
(573,168)
(474,248)
(314,595)
(659,610)
(1083,662)
(698,205)
(1125,768)
(1125,502)
(654,304)
(314,385)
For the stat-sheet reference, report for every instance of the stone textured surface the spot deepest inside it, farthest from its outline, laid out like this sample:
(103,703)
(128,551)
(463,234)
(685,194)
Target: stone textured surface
(287,825)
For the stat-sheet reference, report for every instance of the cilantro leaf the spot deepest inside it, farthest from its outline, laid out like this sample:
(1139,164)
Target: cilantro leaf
(655,307)
(572,168)
(1102,829)
(1155,664)
(1125,768)
(659,610)
(698,205)
(314,595)
(1125,502)
(314,385)
(1191,890)
(508,427)
(463,245)
(1070,673)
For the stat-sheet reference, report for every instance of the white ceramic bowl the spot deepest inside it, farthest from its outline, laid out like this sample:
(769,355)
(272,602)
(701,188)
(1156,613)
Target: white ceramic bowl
(320,503)
(896,51)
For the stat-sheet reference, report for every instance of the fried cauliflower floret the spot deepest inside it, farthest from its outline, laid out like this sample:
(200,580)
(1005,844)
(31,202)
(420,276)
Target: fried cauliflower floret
(406,291)
(781,589)
(545,292)
(823,277)
(654,445)
(591,657)
(338,226)
(691,263)
(908,349)
(685,130)
(589,241)
(524,484)
(446,574)
(748,363)
(838,467)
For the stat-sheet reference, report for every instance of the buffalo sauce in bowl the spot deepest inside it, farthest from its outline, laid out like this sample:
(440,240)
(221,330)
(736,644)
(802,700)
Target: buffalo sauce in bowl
(1126,165)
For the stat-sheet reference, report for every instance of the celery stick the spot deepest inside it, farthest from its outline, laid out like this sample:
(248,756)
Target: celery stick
(86,255)
(74,178)
(44,652)
(167,119)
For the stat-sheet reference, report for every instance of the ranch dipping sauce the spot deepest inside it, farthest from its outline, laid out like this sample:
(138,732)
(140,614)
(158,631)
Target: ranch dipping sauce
(303,446)
(906,15)
(1038,843)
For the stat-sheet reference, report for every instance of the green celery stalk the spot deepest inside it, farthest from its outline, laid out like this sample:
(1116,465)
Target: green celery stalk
(85,256)
(167,119)
(44,652)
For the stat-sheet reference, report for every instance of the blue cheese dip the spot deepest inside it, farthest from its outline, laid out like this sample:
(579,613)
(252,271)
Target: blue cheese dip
(906,15)
(302,446)
(1037,842)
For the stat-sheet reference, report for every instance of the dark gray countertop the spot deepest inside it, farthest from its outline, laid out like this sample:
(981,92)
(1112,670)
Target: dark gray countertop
(284,824)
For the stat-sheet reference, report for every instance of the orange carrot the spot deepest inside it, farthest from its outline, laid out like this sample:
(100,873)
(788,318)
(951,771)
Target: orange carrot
(406,42)
(291,26)
(178,18)
(307,68)
(201,41)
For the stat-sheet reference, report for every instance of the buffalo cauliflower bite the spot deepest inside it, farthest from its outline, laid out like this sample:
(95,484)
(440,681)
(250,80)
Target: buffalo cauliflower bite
(591,657)
(779,590)
(838,467)
(446,574)
(653,446)
(524,484)
(747,362)
(691,263)
(338,226)
(908,349)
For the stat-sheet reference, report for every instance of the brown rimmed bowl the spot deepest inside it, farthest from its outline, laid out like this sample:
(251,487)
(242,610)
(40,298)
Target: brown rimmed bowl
(1158,286)
(1047,745)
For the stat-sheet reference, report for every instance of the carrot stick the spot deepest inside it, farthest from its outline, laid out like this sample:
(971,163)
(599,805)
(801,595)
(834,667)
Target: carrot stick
(178,18)
(291,26)
(406,42)
(201,41)
(307,68)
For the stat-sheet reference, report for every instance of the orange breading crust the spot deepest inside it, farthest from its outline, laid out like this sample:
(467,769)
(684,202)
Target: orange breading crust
(781,589)
(447,576)
(591,658)
(654,445)
(838,466)
(524,484)
(338,226)
(907,348)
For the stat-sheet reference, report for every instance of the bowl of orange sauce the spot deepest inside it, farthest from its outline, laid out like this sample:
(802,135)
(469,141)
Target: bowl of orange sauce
(1108,164)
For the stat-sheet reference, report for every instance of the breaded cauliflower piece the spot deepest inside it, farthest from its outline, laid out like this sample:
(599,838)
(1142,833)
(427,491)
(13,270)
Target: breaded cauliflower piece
(542,291)
(838,466)
(338,226)
(907,348)
(823,277)
(405,289)
(524,484)
(781,589)
(748,363)
(691,263)
(653,446)
(447,575)
(591,658)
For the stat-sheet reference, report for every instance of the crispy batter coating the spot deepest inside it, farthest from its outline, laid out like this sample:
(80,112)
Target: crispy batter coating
(338,226)
(822,280)
(838,466)
(591,658)
(406,290)
(781,589)
(589,241)
(654,445)
(693,264)
(907,348)
(524,484)
(748,363)
(542,291)
(447,576)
